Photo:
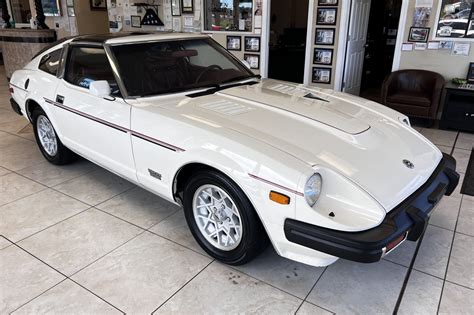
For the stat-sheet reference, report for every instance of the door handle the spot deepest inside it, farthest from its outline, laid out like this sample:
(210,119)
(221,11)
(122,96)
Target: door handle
(59,99)
(27,82)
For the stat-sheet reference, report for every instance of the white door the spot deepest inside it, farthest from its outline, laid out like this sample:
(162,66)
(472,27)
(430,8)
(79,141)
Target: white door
(97,128)
(356,40)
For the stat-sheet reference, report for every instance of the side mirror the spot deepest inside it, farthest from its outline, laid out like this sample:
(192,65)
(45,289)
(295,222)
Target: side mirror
(246,63)
(100,88)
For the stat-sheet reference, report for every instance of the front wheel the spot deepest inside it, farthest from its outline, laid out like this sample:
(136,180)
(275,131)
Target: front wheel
(47,139)
(222,219)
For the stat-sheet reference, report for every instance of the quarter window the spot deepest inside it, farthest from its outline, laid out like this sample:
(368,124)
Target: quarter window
(50,62)
(88,64)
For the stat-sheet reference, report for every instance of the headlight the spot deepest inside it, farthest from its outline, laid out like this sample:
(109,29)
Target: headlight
(405,120)
(312,189)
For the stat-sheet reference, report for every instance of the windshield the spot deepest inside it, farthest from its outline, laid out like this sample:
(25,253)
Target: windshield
(154,68)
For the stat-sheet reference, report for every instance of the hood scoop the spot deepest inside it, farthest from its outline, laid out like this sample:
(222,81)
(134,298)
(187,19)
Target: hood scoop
(314,97)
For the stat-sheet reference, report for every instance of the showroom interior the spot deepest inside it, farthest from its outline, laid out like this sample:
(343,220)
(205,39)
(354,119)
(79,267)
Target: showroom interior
(80,239)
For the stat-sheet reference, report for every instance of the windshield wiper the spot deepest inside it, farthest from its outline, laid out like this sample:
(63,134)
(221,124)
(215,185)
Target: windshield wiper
(244,77)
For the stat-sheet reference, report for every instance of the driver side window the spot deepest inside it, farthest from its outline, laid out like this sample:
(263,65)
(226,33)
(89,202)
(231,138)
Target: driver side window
(88,64)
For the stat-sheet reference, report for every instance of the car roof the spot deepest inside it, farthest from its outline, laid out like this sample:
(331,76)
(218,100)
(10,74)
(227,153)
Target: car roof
(123,38)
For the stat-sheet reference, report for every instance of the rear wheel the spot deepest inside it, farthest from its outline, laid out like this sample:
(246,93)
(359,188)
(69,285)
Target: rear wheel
(47,139)
(222,219)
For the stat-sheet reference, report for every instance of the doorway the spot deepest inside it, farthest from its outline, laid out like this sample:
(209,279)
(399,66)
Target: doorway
(287,41)
(373,31)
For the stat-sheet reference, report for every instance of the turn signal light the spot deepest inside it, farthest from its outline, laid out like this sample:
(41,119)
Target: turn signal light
(279,198)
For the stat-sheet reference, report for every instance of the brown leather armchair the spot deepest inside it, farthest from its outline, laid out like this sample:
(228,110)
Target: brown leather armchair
(415,93)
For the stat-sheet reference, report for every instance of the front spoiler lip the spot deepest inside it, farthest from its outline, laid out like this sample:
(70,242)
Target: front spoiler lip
(409,217)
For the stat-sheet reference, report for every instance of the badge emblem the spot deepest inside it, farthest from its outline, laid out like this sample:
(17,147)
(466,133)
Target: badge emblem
(408,164)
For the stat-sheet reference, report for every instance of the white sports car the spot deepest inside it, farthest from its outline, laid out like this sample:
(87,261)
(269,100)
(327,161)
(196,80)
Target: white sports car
(320,174)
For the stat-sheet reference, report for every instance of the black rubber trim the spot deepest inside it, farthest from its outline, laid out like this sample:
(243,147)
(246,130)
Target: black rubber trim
(411,216)
(15,106)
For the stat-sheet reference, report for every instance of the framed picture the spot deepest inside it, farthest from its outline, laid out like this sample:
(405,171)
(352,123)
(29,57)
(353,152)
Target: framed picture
(175,7)
(470,73)
(99,5)
(253,60)
(70,11)
(252,43)
(328,2)
(324,36)
(419,34)
(326,16)
(136,21)
(51,7)
(234,43)
(323,56)
(321,75)
(70,3)
(187,6)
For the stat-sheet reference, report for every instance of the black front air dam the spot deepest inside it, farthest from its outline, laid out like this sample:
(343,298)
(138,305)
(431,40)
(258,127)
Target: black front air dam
(409,219)
(15,106)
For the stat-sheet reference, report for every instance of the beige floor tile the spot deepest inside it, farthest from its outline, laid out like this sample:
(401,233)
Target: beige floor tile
(225,291)
(142,274)
(4,171)
(446,213)
(466,217)
(433,255)
(349,287)
(31,214)
(4,243)
(176,229)
(80,240)
(310,309)
(51,175)
(456,300)
(444,149)
(140,207)
(22,153)
(465,141)
(457,191)
(22,277)
(67,298)
(440,137)
(461,263)
(14,187)
(462,159)
(94,188)
(285,274)
(15,125)
(403,254)
(421,295)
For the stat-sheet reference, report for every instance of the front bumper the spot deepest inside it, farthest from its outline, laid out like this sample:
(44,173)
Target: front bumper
(406,221)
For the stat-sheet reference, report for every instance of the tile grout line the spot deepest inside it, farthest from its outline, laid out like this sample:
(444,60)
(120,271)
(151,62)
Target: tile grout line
(449,257)
(64,275)
(187,282)
(312,288)
(407,276)
(37,296)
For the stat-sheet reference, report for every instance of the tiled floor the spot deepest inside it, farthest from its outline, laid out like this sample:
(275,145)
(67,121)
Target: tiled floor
(77,239)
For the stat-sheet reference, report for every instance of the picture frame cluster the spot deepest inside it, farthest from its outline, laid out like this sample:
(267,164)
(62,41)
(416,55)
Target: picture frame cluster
(251,44)
(326,15)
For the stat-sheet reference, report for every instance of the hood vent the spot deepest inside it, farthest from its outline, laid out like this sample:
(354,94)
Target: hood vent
(315,97)
(226,107)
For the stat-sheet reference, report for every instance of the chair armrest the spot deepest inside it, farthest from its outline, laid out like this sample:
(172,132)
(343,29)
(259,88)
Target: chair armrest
(387,86)
(436,95)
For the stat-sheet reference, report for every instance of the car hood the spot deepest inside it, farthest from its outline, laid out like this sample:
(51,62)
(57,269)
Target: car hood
(360,139)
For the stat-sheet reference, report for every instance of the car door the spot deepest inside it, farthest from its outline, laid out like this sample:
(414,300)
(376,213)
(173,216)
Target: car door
(95,127)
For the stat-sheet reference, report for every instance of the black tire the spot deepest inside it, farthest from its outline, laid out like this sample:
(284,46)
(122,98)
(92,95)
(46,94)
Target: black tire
(63,155)
(254,239)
